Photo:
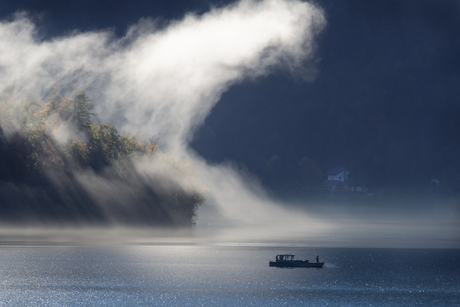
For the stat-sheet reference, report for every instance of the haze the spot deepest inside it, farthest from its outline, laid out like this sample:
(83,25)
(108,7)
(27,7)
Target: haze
(164,81)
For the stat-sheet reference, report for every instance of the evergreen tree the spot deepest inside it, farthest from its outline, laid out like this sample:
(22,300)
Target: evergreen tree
(82,108)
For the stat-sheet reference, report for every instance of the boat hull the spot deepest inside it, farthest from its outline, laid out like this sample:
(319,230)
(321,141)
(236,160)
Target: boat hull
(294,264)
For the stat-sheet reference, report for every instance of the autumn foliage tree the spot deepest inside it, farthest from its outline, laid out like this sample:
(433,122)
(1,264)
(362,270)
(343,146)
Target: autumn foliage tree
(58,134)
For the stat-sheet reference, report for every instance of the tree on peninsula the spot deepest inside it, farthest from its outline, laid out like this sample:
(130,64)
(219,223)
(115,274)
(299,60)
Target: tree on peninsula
(74,170)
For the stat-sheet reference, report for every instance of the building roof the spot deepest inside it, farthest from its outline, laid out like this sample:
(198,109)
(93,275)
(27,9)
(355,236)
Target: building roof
(336,170)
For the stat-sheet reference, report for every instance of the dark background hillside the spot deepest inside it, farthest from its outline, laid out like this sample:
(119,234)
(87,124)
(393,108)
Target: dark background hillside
(384,103)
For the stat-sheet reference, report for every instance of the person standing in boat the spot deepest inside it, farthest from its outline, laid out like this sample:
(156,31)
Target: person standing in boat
(317,259)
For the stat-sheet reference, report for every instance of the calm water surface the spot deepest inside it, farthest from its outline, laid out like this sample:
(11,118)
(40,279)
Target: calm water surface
(225,276)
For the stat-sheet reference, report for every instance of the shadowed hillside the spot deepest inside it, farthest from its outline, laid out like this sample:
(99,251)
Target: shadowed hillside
(57,166)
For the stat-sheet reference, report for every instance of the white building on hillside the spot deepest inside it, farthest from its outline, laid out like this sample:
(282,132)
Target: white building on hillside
(338,173)
(339,184)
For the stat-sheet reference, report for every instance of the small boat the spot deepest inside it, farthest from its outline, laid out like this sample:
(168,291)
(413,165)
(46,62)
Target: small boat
(287,260)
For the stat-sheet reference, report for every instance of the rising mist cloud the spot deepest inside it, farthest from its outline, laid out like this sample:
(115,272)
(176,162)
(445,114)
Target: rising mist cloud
(164,82)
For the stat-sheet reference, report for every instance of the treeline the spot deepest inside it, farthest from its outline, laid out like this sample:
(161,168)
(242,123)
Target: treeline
(37,134)
(58,166)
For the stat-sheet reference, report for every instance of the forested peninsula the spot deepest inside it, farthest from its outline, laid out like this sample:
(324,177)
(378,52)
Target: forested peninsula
(57,166)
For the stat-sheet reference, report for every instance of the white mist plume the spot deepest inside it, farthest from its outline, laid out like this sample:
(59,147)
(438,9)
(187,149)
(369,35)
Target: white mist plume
(165,82)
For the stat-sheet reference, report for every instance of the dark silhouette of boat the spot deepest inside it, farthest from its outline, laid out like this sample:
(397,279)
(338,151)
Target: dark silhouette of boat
(287,260)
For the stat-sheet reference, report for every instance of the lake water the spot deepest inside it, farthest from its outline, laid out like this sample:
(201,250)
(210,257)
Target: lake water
(232,275)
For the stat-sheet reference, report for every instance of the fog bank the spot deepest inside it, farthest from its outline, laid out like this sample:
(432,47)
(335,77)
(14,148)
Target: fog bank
(163,82)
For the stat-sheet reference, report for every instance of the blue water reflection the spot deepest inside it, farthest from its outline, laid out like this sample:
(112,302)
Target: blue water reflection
(225,276)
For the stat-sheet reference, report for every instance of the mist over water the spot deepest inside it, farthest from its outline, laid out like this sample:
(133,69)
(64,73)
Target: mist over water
(164,82)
